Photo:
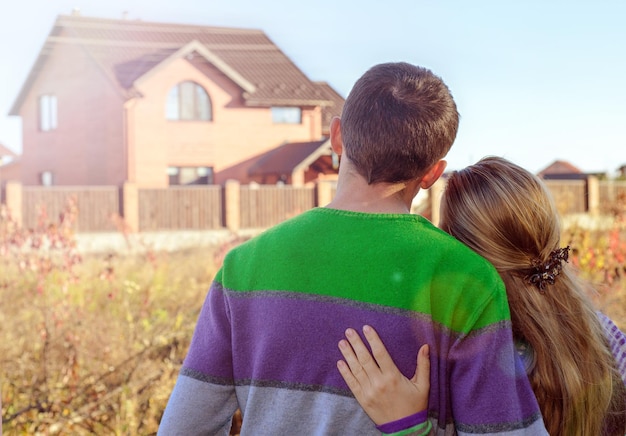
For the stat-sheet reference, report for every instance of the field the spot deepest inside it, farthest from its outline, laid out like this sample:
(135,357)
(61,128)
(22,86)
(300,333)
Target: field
(92,345)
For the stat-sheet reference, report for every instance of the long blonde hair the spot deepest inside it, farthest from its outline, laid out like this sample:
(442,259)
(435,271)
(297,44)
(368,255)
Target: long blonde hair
(508,216)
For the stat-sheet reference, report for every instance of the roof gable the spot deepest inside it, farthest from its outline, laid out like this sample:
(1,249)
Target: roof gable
(187,50)
(129,50)
(559,167)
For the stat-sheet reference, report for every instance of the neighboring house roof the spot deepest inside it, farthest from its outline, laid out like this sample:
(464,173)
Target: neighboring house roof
(289,157)
(6,152)
(561,169)
(328,112)
(127,50)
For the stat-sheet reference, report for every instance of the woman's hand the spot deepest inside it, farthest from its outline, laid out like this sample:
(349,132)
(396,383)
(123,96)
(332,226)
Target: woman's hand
(380,388)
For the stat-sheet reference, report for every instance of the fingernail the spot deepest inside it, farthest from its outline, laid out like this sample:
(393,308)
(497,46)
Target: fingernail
(350,333)
(367,329)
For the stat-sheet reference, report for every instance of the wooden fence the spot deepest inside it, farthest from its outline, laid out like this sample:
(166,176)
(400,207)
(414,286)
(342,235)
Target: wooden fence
(611,193)
(570,196)
(587,196)
(110,208)
(97,206)
(192,208)
(265,205)
(233,206)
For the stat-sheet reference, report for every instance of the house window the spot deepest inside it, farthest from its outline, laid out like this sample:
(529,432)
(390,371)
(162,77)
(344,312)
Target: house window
(190,175)
(47,113)
(286,115)
(188,101)
(46,178)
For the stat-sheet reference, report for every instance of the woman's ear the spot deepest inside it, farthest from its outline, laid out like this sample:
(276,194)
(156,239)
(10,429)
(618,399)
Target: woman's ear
(336,141)
(433,174)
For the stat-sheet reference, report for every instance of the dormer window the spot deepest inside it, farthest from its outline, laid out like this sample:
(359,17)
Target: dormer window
(286,115)
(188,101)
(47,113)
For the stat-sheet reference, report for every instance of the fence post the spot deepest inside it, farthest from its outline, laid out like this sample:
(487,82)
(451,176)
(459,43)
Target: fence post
(324,192)
(13,193)
(130,206)
(593,195)
(232,205)
(435,192)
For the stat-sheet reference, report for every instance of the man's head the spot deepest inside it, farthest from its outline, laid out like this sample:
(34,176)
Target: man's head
(397,122)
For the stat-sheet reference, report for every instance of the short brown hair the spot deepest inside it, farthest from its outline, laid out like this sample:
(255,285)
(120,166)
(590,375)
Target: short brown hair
(398,121)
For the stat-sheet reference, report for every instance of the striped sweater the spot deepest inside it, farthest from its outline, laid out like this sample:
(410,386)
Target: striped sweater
(266,338)
(617,343)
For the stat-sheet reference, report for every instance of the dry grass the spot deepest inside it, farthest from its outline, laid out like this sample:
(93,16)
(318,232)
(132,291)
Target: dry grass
(100,354)
(94,345)
(600,256)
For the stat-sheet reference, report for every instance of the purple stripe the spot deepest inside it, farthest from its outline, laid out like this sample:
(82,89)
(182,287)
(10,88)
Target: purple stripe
(404,423)
(292,342)
(210,349)
(295,340)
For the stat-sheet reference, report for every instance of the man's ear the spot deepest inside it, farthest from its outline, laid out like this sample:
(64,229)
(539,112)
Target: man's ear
(433,174)
(336,142)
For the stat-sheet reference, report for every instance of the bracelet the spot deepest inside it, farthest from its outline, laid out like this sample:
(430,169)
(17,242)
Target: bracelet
(403,423)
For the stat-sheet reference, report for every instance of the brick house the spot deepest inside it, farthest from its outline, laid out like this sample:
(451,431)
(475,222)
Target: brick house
(562,170)
(158,104)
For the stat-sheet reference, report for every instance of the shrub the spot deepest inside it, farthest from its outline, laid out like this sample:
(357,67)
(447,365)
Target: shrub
(91,345)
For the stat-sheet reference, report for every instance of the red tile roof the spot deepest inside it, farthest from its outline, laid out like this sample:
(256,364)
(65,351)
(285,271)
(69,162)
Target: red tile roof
(284,159)
(328,112)
(559,167)
(126,50)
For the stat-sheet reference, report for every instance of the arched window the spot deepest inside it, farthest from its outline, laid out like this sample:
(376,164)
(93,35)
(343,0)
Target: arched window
(188,101)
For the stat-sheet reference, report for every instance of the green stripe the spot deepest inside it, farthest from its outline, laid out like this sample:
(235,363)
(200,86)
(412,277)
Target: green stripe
(418,430)
(361,257)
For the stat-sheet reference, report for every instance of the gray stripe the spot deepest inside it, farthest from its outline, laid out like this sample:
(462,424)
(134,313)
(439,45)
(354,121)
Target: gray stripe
(223,381)
(500,427)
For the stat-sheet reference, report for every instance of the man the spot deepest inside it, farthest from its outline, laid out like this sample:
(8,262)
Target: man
(266,338)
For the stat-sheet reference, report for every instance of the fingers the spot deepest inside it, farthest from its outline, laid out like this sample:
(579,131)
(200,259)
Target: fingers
(349,378)
(363,356)
(422,372)
(421,379)
(350,358)
(380,353)
(362,368)
(351,369)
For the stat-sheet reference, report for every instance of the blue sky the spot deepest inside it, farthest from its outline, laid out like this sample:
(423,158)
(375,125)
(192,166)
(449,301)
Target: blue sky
(535,81)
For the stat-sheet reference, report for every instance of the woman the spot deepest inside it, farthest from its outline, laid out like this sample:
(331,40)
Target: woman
(571,352)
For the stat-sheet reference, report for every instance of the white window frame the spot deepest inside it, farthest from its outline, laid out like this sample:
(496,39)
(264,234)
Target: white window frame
(286,115)
(184,175)
(188,101)
(46,178)
(48,113)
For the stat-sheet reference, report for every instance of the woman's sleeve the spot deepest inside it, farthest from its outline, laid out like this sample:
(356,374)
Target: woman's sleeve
(617,342)
(413,425)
